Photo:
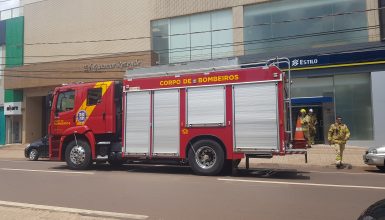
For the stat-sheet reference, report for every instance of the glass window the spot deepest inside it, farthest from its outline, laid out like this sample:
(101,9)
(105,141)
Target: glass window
(7,14)
(222,35)
(65,101)
(303,24)
(179,39)
(195,37)
(94,96)
(312,87)
(353,100)
(160,32)
(201,36)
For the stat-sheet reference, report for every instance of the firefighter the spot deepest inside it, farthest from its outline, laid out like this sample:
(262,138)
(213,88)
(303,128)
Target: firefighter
(312,119)
(338,135)
(304,123)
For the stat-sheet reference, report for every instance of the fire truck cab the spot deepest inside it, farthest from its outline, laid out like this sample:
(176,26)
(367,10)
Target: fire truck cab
(85,122)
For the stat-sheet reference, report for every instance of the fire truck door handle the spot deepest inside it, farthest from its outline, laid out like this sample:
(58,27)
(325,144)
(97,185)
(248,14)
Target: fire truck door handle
(229,123)
(104,116)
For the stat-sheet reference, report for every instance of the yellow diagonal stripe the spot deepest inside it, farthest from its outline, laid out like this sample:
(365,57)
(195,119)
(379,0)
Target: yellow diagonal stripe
(90,109)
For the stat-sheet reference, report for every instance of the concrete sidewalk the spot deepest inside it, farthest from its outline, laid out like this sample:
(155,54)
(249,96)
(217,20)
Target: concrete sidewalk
(318,155)
(12,151)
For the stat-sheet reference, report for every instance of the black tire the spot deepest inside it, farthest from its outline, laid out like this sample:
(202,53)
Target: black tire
(381,168)
(78,157)
(33,154)
(206,157)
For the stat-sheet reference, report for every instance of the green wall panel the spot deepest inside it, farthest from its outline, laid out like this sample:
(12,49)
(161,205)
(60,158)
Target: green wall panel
(13,95)
(14,42)
(2,126)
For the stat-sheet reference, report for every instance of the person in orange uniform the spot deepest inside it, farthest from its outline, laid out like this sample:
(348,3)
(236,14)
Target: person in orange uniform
(304,119)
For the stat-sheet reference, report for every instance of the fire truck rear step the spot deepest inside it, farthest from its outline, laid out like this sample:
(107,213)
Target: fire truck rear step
(269,155)
(297,151)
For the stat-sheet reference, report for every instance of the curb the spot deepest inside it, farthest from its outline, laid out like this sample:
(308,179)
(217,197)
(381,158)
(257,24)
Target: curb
(84,212)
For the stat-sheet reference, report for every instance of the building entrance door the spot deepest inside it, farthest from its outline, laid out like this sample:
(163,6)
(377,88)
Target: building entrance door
(13,129)
(318,112)
(323,108)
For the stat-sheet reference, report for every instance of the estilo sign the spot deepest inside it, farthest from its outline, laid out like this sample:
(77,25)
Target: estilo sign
(12,108)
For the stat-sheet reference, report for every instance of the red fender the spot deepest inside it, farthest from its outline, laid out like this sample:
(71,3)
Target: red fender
(80,130)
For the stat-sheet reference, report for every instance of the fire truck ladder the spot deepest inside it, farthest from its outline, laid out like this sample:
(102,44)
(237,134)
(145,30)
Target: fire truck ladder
(288,109)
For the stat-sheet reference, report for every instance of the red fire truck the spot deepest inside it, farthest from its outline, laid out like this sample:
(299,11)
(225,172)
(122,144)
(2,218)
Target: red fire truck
(207,119)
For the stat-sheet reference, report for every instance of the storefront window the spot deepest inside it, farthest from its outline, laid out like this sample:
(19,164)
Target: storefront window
(194,37)
(354,103)
(312,87)
(346,95)
(304,24)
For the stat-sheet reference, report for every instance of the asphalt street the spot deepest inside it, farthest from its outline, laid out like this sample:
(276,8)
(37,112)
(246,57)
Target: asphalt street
(174,192)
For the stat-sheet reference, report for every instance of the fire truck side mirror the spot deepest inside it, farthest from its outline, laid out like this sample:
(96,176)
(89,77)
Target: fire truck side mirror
(49,100)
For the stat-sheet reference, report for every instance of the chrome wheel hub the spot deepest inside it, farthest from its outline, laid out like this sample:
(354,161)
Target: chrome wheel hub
(32,154)
(205,157)
(77,155)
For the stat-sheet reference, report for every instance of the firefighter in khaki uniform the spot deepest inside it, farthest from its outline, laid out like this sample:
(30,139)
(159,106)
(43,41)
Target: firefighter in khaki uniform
(338,135)
(312,120)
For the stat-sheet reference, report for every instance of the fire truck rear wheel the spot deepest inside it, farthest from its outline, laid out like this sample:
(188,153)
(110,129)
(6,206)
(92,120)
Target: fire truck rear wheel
(78,155)
(206,157)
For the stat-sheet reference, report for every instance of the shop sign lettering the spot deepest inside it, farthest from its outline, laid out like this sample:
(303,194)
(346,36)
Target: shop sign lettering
(303,62)
(12,108)
(99,67)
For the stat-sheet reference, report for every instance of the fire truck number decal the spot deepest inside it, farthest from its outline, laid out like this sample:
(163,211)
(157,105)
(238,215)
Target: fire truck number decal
(82,116)
(200,80)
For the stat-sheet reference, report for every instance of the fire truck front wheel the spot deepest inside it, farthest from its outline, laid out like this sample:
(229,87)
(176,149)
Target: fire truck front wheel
(206,157)
(78,155)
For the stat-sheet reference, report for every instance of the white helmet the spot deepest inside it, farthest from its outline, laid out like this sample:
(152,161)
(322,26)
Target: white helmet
(311,110)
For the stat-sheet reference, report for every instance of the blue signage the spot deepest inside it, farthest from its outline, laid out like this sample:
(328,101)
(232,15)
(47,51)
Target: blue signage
(339,58)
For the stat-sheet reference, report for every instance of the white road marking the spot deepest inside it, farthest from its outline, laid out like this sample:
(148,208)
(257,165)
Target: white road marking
(28,161)
(75,211)
(302,184)
(336,172)
(47,171)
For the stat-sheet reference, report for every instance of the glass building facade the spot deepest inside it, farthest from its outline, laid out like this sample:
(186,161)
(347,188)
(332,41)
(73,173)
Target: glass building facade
(194,37)
(301,25)
(349,96)
(295,24)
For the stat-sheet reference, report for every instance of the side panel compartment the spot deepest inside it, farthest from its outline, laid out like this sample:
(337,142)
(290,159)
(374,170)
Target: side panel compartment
(255,117)
(206,106)
(166,123)
(138,123)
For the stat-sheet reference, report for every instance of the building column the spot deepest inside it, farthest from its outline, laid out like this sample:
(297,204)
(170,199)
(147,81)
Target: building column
(373,20)
(239,49)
